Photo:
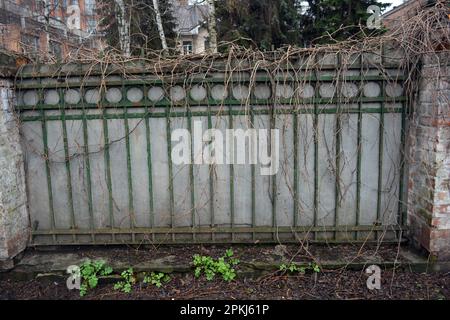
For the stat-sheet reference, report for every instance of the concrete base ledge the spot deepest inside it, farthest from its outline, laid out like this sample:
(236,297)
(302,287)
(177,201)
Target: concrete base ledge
(46,264)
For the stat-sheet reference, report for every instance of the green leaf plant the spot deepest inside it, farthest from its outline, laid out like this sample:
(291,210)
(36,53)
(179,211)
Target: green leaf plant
(128,280)
(210,267)
(90,271)
(157,279)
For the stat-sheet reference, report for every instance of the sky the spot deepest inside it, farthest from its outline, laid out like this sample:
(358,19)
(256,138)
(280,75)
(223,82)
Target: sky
(394,3)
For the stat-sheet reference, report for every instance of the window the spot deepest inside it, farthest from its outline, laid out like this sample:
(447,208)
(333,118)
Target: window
(187,47)
(30,43)
(55,48)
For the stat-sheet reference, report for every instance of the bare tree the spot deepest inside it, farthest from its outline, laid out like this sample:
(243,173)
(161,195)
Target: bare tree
(162,35)
(47,11)
(124,27)
(212,29)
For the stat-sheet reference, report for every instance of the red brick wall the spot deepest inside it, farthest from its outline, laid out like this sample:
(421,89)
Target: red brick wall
(429,163)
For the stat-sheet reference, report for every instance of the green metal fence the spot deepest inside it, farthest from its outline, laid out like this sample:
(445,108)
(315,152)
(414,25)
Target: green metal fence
(100,170)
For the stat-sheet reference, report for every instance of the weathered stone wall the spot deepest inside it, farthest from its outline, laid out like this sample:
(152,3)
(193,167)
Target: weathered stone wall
(14,220)
(429,174)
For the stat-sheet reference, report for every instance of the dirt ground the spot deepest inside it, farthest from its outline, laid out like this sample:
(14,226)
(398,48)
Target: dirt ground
(327,284)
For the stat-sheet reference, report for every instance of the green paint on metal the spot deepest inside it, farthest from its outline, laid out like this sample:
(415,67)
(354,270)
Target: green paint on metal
(338,137)
(167,110)
(181,81)
(131,212)
(47,171)
(359,159)
(108,168)
(211,102)
(199,230)
(231,126)
(191,172)
(143,70)
(337,190)
(170,166)
(380,159)
(274,177)
(150,169)
(211,180)
(402,217)
(316,159)
(296,182)
(67,163)
(88,172)
(253,173)
(202,113)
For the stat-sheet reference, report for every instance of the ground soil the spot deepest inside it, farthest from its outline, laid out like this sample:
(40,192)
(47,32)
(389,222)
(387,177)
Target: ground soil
(328,284)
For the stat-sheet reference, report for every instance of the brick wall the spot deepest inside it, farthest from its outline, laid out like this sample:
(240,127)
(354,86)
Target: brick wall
(429,163)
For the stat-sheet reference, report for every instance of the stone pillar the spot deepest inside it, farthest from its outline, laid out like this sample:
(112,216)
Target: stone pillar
(14,219)
(429,165)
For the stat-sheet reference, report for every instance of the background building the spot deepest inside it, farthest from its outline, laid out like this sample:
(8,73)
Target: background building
(39,28)
(192,30)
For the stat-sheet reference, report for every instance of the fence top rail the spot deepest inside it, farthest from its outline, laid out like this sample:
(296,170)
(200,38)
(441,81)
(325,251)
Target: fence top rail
(282,60)
(207,79)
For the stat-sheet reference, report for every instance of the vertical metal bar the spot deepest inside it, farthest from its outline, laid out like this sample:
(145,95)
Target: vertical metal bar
(338,137)
(149,163)
(338,169)
(191,172)
(211,181)
(401,219)
(169,157)
(232,152)
(88,166)
(296,150)
(381,147)
(47,165)
(253,173)
(316,151)
(67,163)
(359,153)
(274,177)
(129,169)
(108,166)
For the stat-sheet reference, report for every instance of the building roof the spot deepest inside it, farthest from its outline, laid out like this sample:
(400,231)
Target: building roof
(406,7)
(190,17)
